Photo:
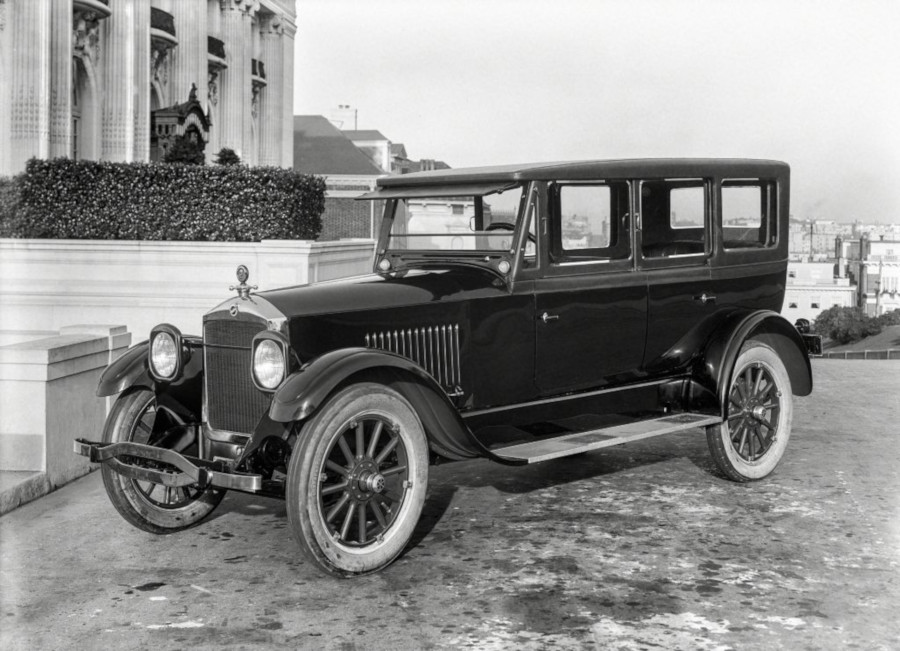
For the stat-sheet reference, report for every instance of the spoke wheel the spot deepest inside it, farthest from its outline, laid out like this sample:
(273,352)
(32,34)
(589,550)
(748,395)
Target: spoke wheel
(752,439)
(357,480)
(137,418)
(363,481)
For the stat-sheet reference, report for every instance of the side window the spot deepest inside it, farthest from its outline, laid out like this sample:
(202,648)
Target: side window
(748,214)
(673,218)
(593,223)
(584,217)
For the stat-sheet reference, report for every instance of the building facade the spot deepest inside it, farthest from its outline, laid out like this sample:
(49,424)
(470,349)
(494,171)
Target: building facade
(119,80)
(873,266)
(812,288)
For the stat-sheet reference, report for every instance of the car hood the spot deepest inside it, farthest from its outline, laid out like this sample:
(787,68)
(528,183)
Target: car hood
(377,291)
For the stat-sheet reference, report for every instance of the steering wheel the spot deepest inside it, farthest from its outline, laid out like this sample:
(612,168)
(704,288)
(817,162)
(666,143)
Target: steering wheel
(506,226)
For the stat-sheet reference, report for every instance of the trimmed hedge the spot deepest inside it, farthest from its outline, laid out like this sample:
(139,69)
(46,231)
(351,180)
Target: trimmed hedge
(68,199)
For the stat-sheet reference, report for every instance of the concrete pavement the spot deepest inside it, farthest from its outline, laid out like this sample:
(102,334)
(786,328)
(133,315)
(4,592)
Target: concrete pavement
(641,546)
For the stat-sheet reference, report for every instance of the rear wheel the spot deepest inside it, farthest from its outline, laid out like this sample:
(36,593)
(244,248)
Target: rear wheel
(357,480)
(136,417)
(752,439)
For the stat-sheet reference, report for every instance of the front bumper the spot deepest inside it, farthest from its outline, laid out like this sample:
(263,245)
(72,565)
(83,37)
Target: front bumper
(142,462)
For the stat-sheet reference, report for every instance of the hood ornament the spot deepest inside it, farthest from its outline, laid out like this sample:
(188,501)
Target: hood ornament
(243,289)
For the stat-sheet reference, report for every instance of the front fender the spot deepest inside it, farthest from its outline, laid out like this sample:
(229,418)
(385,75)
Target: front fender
(305,391)
(302,393)
(131,369)
(714,371)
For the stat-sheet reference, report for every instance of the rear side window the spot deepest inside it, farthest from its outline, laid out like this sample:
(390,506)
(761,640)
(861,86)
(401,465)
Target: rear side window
(673,218)
(748,214)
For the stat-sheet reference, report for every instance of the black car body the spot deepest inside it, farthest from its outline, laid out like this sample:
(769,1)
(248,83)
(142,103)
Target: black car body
(515,313)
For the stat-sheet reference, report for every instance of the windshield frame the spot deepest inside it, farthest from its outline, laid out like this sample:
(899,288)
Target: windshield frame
(389,259)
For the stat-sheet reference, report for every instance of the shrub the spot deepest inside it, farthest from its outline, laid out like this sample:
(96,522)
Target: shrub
(891,318)
(227,156)
(186,151)
(845,324)
(9,203)
(69,199)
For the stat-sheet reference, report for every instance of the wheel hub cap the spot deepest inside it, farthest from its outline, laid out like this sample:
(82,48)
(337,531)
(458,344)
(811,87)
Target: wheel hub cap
(371,482)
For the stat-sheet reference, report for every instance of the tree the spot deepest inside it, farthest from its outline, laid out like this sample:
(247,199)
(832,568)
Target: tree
(186,151)
(227,156)
(845,325)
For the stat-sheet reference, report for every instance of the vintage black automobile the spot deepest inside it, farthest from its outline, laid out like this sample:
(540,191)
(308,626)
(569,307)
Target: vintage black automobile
(518,313)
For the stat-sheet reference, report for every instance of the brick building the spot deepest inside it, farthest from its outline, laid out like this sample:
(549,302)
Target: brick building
(321,148)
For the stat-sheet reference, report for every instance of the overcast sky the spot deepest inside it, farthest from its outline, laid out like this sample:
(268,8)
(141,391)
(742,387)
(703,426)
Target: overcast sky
(813,83)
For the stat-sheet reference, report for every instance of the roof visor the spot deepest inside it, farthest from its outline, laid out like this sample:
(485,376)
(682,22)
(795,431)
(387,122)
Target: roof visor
(470,190)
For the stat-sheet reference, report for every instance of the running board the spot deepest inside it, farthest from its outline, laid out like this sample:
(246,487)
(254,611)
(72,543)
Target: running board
(569,444)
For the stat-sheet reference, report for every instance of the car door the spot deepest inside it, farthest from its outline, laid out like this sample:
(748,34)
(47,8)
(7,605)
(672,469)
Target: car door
(675,247)
(590,302)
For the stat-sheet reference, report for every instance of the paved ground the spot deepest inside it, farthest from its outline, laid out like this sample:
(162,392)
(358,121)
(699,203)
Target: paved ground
(636,547)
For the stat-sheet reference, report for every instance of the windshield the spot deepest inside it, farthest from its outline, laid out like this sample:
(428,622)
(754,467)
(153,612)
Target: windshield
(464,223)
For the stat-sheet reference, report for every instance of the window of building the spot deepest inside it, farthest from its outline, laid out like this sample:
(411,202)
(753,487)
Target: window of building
(458,208)
(792,274)
(814,305)
(793,305)
(748,214)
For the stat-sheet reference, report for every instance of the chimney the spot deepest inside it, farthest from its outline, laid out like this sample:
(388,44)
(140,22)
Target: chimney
(344,117)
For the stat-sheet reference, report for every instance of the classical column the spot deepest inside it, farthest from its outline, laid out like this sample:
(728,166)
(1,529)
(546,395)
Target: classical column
(234,87)
(272,96)
(28,25)
(117,127)
(287,102)
(141,82)
(5,82)
(188,65)
(250,148)
(61,79)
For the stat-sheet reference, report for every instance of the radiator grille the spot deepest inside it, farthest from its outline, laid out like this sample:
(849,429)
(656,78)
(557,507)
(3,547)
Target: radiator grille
(434,348)
(233,402)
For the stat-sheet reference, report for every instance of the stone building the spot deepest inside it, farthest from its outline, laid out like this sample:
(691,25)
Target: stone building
(119,80)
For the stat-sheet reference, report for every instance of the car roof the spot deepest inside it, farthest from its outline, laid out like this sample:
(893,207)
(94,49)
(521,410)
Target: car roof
(593,169)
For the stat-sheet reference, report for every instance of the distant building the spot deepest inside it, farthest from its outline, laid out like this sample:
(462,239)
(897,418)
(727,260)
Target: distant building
(873,266)
(374,145)
(351,161)
(813,288)
(118,80)
(323,149)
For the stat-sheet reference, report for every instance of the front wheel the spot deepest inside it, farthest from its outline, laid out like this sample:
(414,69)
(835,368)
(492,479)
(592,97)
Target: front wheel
(357,480)
(752,439)
(137,418)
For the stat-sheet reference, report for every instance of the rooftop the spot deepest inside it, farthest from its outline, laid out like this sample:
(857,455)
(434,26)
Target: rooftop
(322,148)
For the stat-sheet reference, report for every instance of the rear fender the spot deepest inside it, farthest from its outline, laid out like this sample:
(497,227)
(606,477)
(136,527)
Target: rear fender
(306,391)
(714,370)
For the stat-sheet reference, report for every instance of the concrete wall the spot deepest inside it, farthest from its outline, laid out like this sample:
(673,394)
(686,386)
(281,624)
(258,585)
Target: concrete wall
(47,399)
(49,284)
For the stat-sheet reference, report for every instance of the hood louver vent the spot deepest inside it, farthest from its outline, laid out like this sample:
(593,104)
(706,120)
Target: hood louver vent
(435,349)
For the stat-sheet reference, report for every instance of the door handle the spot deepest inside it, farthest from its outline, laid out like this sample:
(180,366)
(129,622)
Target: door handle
(549,317)
(705,298)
